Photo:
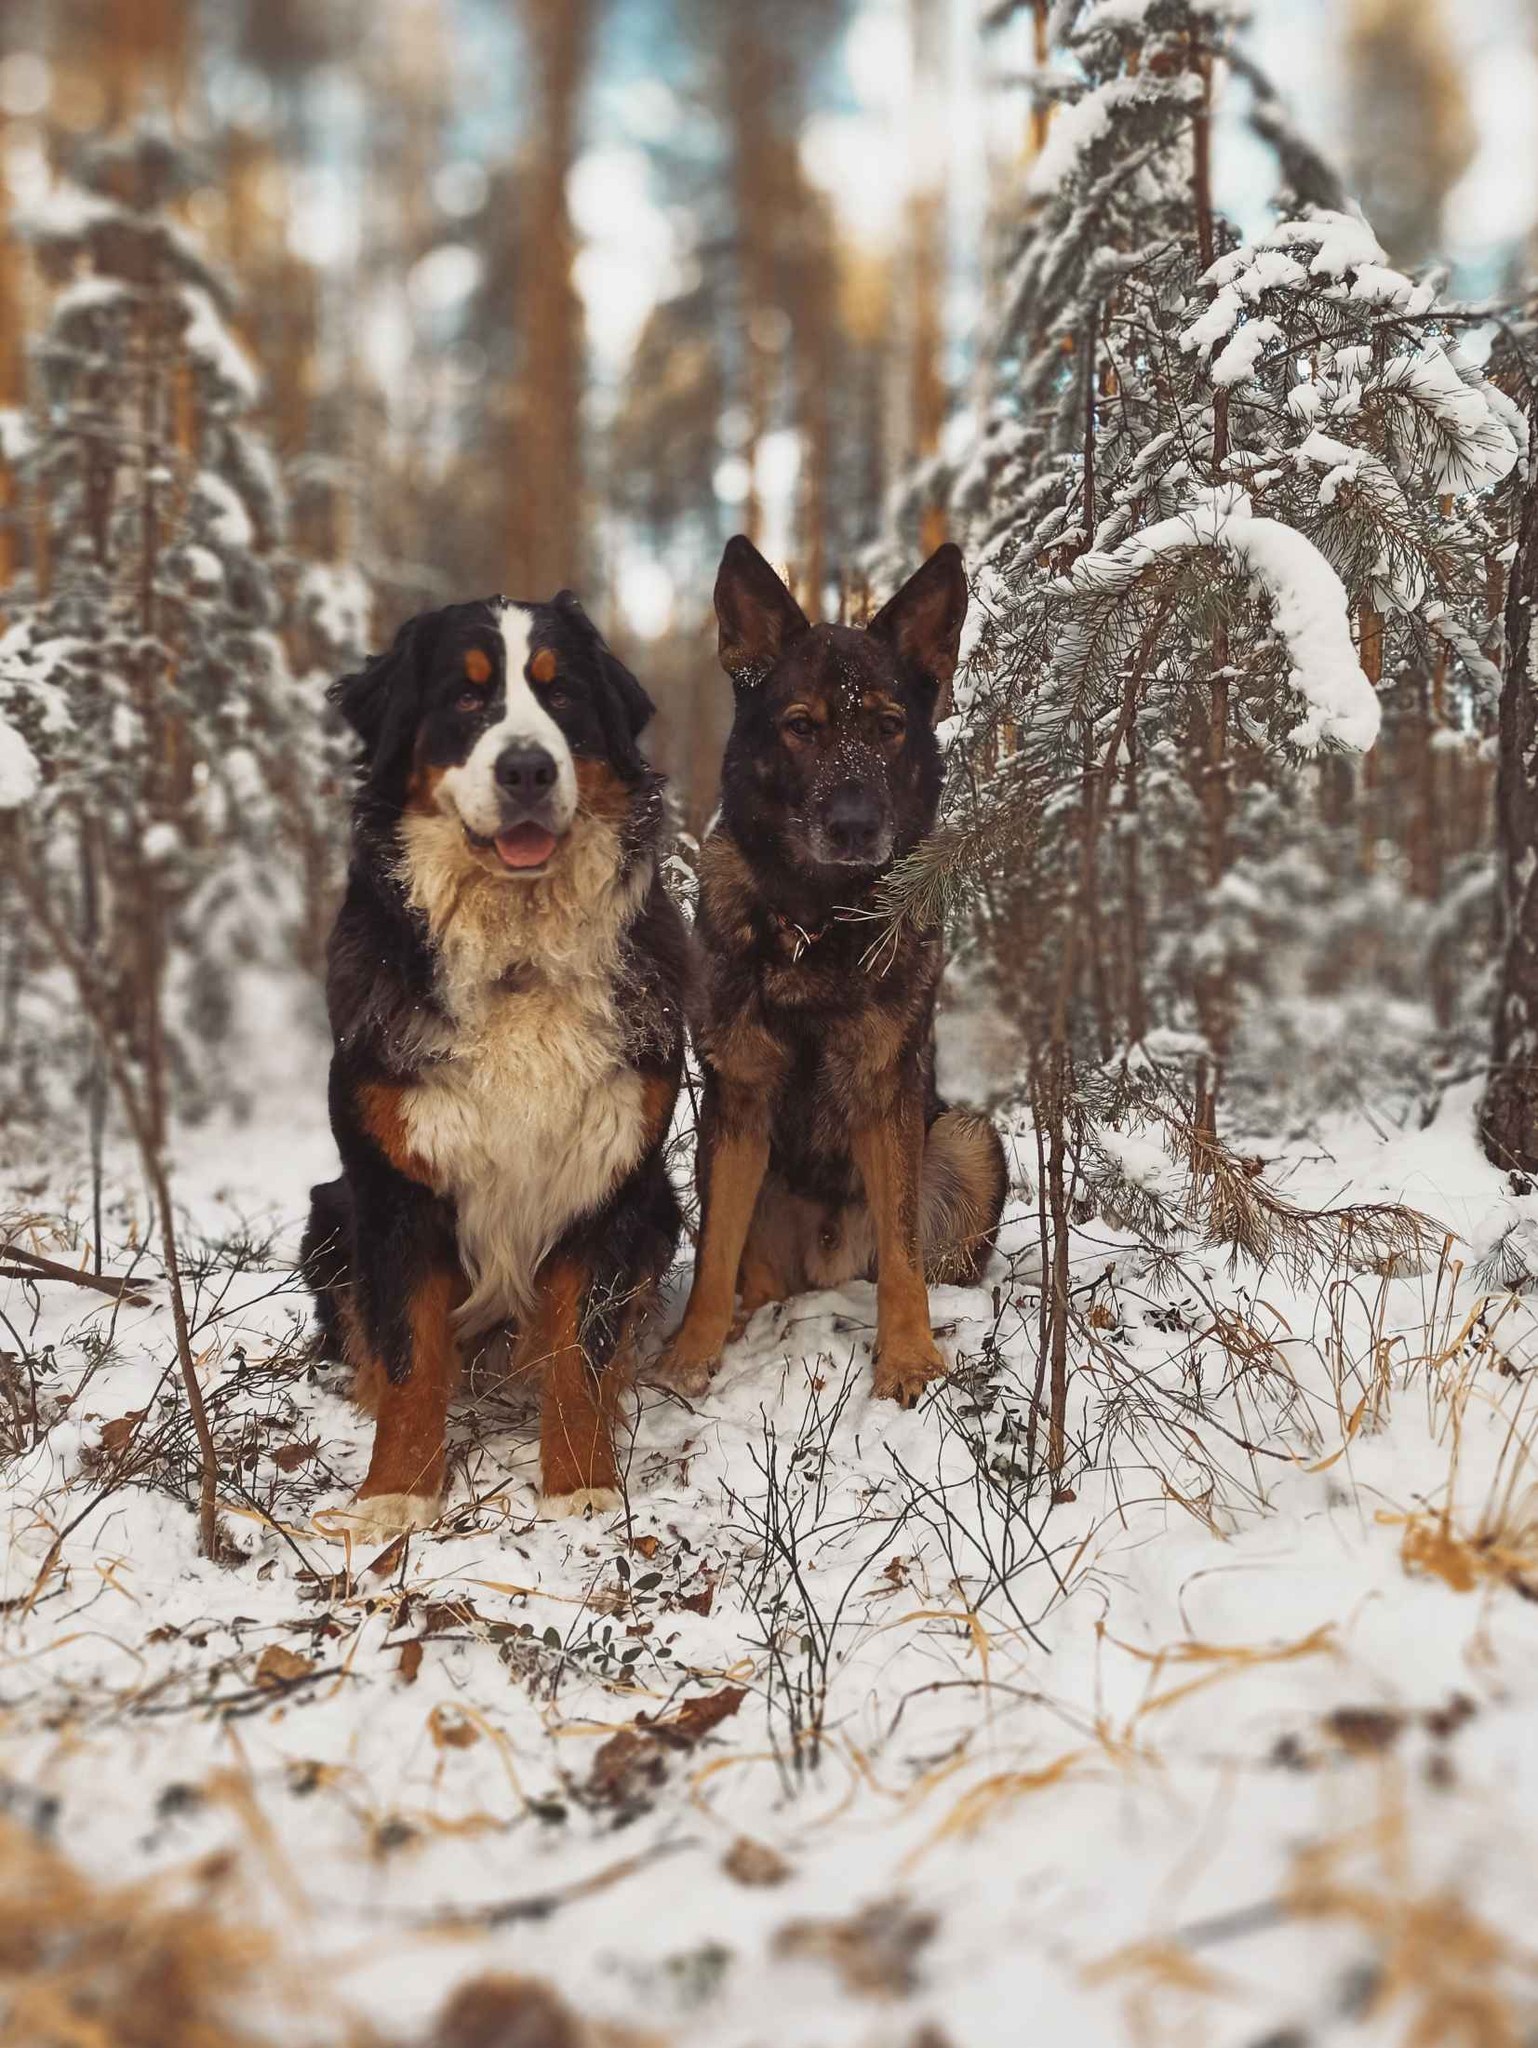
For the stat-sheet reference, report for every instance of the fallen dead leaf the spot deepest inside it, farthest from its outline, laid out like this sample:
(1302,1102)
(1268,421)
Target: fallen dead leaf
(277,1667)
(874,1951)
(1446,1721)
(289,1457)
(118,1434)
(754,1863)
(440,1616)
(387,1559)
(451,1730)
(694,1720)
(625,1769)
(522,2012)
(410,1661)
(1367,1731)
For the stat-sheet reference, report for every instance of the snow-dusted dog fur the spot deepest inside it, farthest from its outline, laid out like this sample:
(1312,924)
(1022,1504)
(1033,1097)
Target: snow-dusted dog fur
(505,986)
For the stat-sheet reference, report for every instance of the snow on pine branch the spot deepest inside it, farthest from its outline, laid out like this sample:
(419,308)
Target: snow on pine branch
(1434,415)
(1336,250)
(20,776)
(1474,445)
(1308,604)
(1079,126)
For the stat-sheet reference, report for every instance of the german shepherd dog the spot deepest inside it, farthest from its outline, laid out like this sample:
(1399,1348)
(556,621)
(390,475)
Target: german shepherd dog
(824,1148)
(505,986)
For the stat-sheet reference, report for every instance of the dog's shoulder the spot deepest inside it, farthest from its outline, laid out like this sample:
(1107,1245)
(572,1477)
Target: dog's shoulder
(656,977)
(730,900)
(380,970)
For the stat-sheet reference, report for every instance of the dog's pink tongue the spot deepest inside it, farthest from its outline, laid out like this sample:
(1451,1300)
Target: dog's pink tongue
(525,846)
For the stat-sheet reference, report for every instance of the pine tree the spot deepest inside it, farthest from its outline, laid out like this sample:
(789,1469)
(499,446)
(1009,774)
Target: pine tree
(1223,497)
(145,667)
(1508,1114)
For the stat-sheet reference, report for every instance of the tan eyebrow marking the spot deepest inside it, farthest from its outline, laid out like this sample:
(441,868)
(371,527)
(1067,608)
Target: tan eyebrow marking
(477,665)
(542,665)
(877,700)
(818,713)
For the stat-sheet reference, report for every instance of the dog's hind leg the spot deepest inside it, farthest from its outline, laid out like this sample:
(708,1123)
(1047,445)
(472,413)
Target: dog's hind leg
(962,1187)
(774,1259)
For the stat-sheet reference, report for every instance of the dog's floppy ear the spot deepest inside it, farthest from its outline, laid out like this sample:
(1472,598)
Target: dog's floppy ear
(757,615)
(627,710)
(923,622)
(382,701)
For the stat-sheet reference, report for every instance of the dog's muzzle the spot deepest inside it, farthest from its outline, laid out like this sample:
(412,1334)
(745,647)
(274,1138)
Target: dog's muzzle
(852,829)
(526,778)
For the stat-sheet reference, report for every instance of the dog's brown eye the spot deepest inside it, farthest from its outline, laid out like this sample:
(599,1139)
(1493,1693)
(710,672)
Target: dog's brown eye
(470,700)
(801,727)
(892,727)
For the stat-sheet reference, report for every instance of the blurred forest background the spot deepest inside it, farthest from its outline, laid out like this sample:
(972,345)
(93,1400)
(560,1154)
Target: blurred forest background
(545,291)
(315,312)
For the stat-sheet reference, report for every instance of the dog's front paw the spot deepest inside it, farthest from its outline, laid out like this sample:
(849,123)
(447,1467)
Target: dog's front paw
(585,1500)
(904,1367)
(687,1366)
(379,1516)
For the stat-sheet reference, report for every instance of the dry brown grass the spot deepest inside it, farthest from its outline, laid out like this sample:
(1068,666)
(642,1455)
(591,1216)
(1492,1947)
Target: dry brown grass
(1442,1976)
(1432,1971)
(177,1962)
(166,1964)
(1461,1543)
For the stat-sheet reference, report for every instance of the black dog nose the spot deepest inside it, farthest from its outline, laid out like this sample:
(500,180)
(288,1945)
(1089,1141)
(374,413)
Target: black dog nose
(853,823)
(525,773)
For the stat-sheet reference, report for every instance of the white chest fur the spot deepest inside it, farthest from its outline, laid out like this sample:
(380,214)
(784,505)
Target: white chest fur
(529,1124)
(532,1114)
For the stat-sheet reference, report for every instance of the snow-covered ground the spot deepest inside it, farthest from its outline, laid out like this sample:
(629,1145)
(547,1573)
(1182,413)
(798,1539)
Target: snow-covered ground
(835,1736)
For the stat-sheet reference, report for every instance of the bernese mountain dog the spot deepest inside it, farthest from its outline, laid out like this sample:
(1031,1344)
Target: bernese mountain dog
(506,992)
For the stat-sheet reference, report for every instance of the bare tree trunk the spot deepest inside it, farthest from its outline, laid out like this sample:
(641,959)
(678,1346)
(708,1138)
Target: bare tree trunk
(143,57)
(1041,115)
(1369,635)
(1508,1116)
(12,371)
(926,376)
(1425,810)
(749,109)
(813,331)
(137,1095)
(547,542)
(1135,999)
(1214,1000)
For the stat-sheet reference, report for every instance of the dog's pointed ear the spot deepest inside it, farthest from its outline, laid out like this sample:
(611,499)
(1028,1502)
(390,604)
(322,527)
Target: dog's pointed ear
(382,700)
(923,622)
(757,615)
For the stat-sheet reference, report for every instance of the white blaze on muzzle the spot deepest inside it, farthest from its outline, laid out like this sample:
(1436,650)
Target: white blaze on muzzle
(471,788)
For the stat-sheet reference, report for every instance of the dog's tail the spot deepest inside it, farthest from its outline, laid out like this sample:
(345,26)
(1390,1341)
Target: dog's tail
(325,1260)
(961,1197)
